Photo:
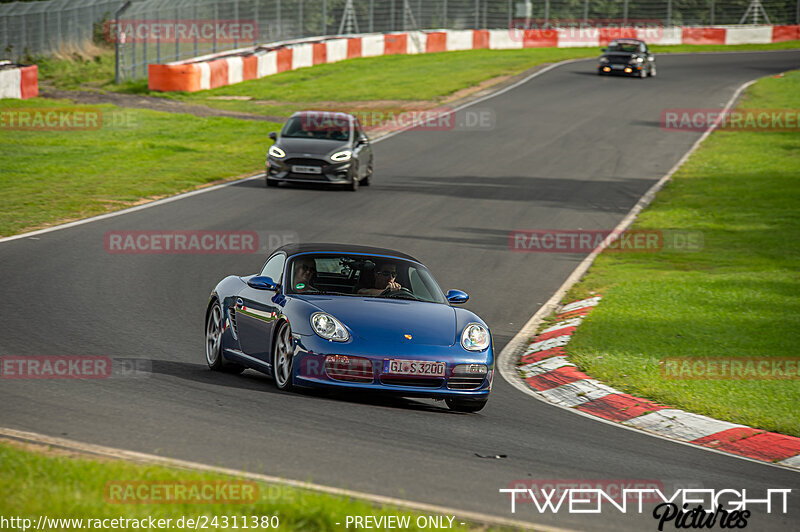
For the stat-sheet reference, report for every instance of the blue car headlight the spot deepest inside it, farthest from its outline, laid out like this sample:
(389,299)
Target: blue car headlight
(475,337)
(328,327)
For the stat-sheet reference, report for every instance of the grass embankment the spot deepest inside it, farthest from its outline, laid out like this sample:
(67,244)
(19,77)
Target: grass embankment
(738,297)
(51,176)
(33,484)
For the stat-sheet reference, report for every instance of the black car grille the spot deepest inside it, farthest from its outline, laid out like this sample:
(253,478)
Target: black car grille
(305,162)
(465,383)
(619,60)
(420,382)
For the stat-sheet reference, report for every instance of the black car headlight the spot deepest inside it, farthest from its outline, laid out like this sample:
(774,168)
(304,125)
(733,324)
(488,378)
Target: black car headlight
(342,156)
(276,152)
(475,337)
(328,327)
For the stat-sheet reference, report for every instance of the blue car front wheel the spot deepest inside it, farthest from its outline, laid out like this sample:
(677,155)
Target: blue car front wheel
(282,355)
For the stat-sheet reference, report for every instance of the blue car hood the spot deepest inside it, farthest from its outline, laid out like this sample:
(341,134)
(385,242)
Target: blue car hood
(388,320)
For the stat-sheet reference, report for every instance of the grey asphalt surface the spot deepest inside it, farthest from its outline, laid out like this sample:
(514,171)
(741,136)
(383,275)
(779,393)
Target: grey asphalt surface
(562,154)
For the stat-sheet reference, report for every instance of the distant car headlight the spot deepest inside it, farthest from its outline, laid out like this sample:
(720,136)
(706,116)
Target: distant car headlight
(475,337)
(328,327)
(604,59)
(342,156)
(276,152)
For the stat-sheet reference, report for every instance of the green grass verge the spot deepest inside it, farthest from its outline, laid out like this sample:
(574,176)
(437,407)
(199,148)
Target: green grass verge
(51,176)
(34,484)
(738,297)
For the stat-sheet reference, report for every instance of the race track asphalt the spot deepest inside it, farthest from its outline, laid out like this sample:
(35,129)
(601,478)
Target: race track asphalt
(566,150)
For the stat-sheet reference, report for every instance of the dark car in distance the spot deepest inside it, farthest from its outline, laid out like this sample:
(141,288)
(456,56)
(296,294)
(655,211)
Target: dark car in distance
(628,57)
(320,147)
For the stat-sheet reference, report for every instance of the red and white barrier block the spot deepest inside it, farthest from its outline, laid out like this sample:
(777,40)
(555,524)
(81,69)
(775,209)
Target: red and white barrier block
(17,81)
(544,366)
(230,67)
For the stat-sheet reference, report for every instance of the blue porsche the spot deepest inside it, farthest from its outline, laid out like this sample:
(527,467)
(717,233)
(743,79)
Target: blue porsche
(341,316)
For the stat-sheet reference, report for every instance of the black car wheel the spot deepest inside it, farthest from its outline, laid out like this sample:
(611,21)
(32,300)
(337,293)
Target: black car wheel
(466,405)
(282,355)
(365,181)
(354,181)
(643,73)
(214,331)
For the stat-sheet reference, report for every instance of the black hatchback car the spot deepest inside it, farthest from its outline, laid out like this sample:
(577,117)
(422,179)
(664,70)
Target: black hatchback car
(629,57)
(320,147)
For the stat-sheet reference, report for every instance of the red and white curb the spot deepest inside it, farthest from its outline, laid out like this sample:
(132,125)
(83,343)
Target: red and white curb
(235,66)
(18,81)
(546,370)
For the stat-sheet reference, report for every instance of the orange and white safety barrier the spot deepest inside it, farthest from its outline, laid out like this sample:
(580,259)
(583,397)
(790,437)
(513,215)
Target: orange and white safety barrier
(17,81)
(230,67)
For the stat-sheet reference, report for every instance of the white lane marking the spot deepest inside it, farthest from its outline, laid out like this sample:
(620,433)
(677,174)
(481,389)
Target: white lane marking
(134,456)
(544,366)
(577,393)
(573,322)
(680,425)
(794,461)
(507,359)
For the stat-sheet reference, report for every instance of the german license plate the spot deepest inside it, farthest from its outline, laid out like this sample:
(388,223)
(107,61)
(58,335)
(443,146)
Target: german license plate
(414,367)
(297,169)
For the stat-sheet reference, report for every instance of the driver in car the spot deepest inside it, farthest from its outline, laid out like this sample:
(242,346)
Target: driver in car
(305,270)
(385,279)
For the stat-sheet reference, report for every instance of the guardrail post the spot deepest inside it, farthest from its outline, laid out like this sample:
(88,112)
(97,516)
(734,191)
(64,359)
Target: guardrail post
(324,17)
(119,11)
(372,15)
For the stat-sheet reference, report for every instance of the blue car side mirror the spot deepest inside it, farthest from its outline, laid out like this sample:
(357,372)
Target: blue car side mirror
(263,283)
(457,297)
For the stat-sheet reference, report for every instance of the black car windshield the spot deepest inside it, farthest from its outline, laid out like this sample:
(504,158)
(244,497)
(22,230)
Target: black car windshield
(362,276)
(623,47)
(320,126)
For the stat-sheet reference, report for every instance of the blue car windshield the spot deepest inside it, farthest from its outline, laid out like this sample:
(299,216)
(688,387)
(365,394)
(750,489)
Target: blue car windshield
(362,276)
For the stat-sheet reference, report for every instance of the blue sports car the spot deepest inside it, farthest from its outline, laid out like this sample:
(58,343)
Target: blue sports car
(341,316)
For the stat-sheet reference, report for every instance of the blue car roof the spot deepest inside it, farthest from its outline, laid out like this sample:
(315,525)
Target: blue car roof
(295,249)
